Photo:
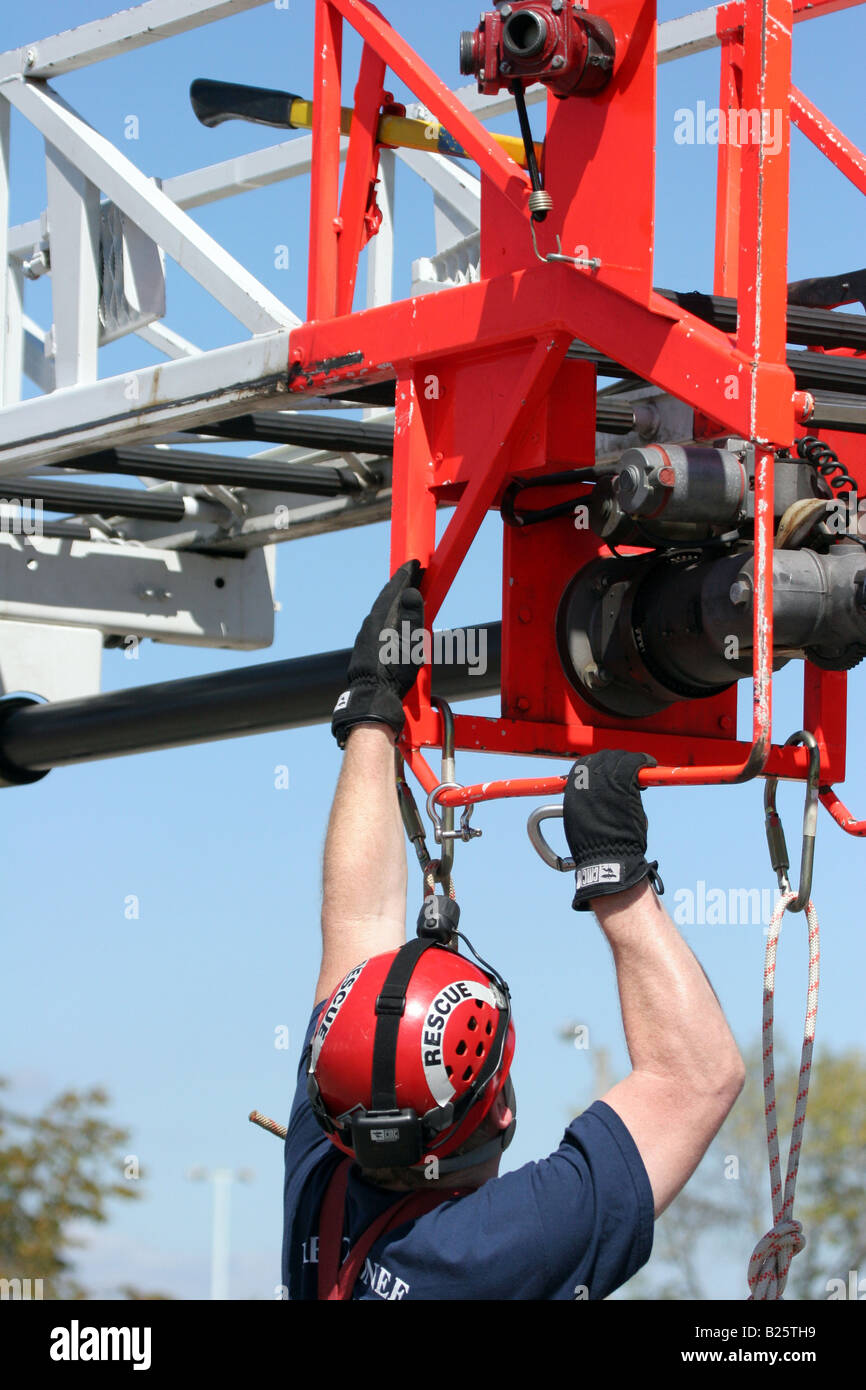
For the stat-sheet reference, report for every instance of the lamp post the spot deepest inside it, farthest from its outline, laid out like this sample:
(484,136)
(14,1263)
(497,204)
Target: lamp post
(222,1179)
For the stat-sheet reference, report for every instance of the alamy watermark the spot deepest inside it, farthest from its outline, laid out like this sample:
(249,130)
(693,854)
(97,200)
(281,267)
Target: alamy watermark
(21,1290)
(14,520)
(845,515)
(853,1288)
(711,125)
(77,1343)
(724,907)
(417,646)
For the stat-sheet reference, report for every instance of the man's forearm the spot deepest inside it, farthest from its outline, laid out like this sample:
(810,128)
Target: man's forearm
(673,1021)
(365,875)
(687,1070)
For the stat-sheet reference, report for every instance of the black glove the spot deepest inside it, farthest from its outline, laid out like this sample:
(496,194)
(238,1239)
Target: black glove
(381,671)
(605,826)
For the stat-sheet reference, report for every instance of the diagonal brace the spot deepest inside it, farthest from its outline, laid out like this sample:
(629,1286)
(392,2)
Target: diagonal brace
(505,175)
(841,151)
(151,210)
(535,380)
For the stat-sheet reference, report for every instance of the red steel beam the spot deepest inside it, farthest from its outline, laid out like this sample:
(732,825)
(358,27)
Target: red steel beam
(465,128)
(660,342)
(413,504)
(728,171)
(327,115)
(535,380)
(814,9)
(841,151)
(730,17)
(361,162)
(763,268)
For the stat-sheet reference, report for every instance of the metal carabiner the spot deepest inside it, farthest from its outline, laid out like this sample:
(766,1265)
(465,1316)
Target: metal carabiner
(776,835)
(539,844)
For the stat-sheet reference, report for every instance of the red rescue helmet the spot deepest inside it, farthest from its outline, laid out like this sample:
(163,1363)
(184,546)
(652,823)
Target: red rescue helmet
(410,1052)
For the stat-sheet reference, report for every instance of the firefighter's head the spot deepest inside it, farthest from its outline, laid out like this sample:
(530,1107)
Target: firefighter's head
(408,1069)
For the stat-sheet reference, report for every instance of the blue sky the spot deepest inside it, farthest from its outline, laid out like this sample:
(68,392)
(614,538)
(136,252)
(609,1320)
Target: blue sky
(176,1012)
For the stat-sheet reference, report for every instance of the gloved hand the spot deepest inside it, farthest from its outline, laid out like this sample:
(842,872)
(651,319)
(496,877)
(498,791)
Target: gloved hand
(378,682)
(606,827)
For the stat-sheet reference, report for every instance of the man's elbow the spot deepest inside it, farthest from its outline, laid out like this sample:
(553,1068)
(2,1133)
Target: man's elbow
(727,1083)
(737,1078)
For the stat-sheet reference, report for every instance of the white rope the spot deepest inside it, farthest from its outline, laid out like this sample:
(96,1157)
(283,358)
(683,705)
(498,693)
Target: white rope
(772,1256)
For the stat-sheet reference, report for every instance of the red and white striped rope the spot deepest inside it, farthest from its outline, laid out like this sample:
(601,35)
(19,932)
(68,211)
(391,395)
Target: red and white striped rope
(772,1256)
(431,872)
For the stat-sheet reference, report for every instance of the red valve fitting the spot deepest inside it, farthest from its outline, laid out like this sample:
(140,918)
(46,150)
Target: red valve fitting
(550,41)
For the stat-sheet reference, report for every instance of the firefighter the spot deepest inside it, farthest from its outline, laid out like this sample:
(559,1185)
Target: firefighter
(404,1102)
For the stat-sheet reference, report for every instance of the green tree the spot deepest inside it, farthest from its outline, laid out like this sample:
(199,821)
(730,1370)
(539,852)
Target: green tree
(57,1169)
(725,1208)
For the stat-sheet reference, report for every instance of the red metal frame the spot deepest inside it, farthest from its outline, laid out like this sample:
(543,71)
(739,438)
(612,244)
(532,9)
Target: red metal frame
(828,139)
(484,390)
(729,170)
(362,162)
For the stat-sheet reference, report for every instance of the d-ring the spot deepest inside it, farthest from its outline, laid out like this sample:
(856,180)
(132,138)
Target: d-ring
(548,854)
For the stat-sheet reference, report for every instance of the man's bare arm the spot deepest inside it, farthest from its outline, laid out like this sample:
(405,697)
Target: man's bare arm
(687,1071)
(365,874)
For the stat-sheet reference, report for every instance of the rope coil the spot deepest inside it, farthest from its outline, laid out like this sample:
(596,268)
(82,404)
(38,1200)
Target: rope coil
(774,1252)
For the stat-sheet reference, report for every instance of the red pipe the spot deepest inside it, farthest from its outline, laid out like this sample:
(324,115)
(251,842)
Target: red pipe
(840,813)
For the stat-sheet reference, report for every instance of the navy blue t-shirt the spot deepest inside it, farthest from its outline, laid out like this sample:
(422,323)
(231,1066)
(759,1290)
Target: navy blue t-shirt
(574,1225)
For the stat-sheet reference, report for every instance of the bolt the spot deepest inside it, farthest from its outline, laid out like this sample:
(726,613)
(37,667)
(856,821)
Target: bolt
(558,61)
(523,703)
(37,265)
(740,592)
(556,6)
(505,11)
(482,75)
(505,67)
(600,584)
(525,615)
(726,722)
(30,58)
